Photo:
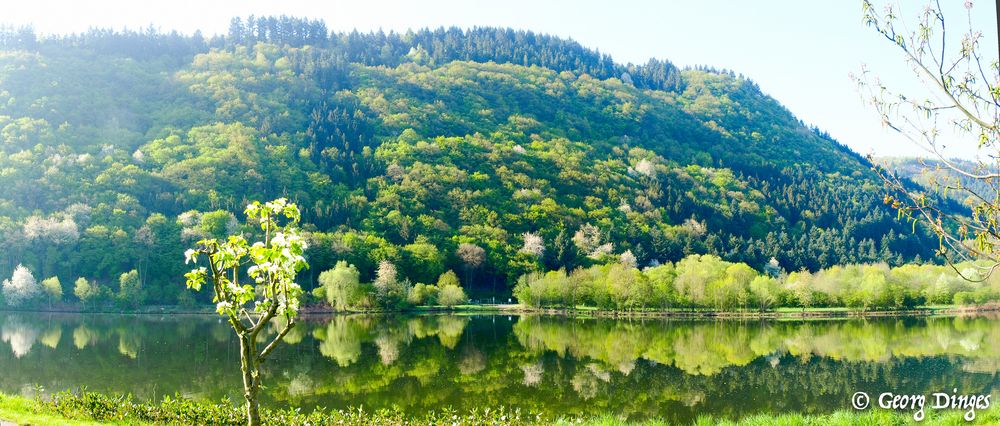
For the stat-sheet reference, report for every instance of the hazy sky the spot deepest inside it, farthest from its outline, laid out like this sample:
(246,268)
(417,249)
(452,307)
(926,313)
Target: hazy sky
(800,52)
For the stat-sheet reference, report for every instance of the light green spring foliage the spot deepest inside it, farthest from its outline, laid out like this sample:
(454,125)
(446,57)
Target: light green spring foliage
(130,291)
(424,294)
(448,279)
(341,286)
(344,291)
(273,262)
(412,164)
(451,292)
(452,295)
(706,281)
(84,290)
(53,289)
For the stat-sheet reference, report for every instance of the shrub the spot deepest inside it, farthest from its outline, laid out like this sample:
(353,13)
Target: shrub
(423,294)
(452,295)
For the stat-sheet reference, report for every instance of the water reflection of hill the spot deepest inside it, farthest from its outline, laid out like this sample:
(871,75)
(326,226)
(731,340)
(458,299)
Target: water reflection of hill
(555,365)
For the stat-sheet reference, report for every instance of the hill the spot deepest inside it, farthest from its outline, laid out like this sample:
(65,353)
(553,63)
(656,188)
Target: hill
(437,149)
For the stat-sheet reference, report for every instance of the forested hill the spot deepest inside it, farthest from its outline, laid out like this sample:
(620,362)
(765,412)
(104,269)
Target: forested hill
(439,149)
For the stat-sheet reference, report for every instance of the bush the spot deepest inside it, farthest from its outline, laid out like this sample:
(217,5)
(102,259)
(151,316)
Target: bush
(423,294)
(452,295)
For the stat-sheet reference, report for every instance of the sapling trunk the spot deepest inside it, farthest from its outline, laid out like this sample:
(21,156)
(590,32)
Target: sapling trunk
(251,378)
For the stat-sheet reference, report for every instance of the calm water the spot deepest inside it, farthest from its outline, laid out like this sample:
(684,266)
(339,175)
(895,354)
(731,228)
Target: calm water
(640,368)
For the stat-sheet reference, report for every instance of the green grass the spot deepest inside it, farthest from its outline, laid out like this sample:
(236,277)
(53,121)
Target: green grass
(82,409)
(25,411)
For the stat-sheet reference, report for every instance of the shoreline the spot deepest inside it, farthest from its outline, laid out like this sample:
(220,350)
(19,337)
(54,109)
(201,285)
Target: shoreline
(578,312)
(92,409)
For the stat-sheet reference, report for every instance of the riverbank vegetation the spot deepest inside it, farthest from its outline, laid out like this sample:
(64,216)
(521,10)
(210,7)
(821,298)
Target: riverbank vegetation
(89,408)
(696,283)
(708,282)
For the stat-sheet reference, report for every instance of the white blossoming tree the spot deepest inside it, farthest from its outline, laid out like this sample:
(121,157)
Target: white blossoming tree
(534,244)
(271,265)
(21,288)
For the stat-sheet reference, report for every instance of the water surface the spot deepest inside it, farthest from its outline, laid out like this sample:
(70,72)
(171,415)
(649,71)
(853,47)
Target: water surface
(552,365)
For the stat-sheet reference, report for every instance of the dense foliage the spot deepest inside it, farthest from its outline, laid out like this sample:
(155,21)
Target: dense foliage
(706,281)
(490,152)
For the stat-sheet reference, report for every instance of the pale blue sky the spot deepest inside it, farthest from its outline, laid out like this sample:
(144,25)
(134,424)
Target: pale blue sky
(801,52)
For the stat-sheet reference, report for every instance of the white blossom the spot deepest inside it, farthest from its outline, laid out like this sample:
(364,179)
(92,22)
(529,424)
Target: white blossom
(602,250)
(587,238)
(534,244)
(694,228)
(53,230)
(646,168)
(21,287)
(628,259)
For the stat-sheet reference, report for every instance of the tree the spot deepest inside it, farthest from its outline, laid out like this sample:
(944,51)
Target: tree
(765,291)
(422,260)
(423,294)
(627,259)
(130,292)
(452,295)
(534,244)
(472,256)
(21,289)
(963,104)
(85,291)
(272,264)
(53,289)
(450,290)
(390,291)
(341,285)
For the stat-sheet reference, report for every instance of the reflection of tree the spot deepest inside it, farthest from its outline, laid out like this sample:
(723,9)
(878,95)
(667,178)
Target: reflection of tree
(52,336)
(129,342)
(341,340)
(708,347)
(533,373)
(83,336)
(300,385)
(672,369)
(448,329)
(20,334)
(472,361)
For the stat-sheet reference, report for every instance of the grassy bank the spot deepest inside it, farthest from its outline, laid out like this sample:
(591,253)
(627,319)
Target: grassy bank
(96,409)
